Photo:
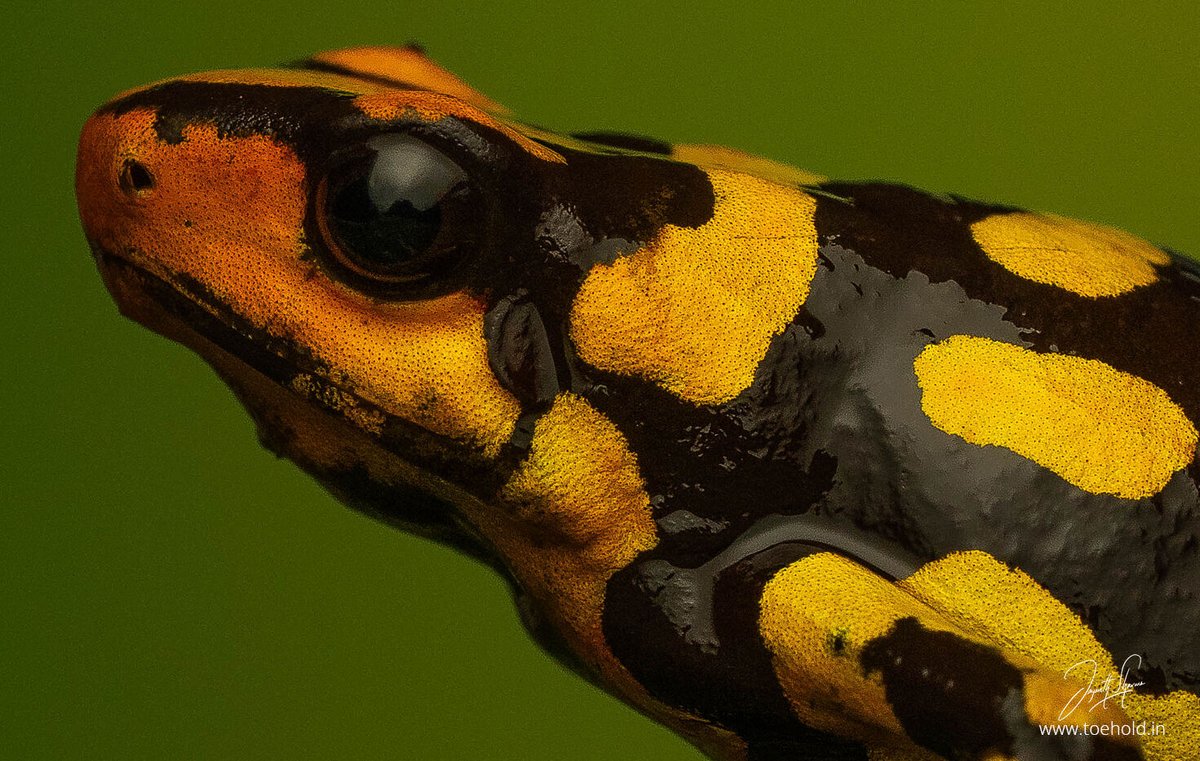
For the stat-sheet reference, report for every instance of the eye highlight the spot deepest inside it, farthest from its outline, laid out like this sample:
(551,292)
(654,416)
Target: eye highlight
(400,214)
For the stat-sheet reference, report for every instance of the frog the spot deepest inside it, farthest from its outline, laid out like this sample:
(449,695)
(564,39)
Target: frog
(800,468)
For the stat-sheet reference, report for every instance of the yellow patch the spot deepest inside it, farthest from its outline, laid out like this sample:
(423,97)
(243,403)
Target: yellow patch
(695,309)
(720,157)
(803,609)
(581,485)
(577,513)
(824,597)
(1081,257)
(229,214)
(1105,431)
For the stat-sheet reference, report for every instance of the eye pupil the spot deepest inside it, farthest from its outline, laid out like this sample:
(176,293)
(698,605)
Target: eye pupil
(388,214)
(384,236)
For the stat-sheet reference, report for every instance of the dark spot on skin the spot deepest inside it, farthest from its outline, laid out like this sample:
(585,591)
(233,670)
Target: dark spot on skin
(238,110)
(626,141)
(837,642)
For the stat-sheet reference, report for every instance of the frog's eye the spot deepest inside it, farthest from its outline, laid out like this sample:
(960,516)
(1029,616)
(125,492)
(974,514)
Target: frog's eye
(399,214)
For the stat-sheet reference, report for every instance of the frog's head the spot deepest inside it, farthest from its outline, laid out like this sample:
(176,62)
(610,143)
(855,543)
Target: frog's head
(413,292)
(327,236)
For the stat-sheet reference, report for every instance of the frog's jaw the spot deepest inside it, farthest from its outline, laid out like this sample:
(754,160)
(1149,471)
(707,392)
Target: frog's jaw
(319,431)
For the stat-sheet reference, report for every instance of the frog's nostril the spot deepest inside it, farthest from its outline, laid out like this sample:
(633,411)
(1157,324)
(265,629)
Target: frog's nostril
(135,179)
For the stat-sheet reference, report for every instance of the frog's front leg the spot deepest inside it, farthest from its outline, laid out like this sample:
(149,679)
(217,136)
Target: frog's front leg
(807,651)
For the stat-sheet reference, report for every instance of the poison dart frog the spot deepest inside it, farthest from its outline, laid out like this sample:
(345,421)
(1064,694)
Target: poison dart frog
(801,468)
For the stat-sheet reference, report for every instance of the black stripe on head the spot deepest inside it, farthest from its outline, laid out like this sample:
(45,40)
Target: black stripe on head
(285,114)
(310,64)
(626,141)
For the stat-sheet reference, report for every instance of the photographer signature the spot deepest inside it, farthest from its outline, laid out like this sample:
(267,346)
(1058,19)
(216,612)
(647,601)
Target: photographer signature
(1095,695)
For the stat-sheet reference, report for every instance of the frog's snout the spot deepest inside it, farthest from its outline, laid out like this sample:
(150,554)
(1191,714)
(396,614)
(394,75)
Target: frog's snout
(112,181)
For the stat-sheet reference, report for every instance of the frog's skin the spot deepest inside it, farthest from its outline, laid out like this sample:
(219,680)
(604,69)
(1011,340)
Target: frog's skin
(800,468)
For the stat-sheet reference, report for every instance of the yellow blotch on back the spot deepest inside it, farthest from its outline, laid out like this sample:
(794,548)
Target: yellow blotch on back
(1100,429)
(1081,257)
(695,309)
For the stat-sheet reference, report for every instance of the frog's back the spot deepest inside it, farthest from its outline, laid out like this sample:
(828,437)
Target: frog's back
(1037,384)
(964,383)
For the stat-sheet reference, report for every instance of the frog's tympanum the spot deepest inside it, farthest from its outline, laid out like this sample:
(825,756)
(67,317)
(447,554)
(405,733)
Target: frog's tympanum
(803,469)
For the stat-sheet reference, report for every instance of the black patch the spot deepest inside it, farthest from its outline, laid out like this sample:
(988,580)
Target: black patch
(1148,332)
(947,692)
(831,434)
(626,141)
(403,507)
(961,699)
(805,746)
(237,110)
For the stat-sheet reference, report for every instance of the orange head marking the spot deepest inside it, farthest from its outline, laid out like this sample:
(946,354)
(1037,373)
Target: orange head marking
(243,201)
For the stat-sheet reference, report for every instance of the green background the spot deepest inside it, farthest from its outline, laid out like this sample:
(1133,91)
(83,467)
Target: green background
(170,590)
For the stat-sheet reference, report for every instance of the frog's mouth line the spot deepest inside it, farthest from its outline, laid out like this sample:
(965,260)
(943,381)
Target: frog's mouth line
(186,313)
(183,310)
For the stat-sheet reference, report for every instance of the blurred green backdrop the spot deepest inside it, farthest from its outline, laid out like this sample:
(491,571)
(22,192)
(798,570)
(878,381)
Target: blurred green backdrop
(170,590)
